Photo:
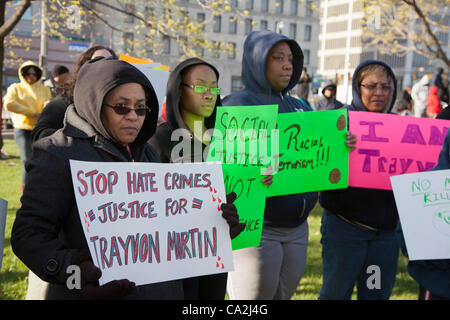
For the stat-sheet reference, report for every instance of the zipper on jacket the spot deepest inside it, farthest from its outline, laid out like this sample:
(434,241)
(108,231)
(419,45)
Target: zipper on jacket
(304,208)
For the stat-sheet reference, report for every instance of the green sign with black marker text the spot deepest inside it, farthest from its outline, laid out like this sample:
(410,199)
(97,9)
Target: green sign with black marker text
(245,181)
(313,154)
(240,134)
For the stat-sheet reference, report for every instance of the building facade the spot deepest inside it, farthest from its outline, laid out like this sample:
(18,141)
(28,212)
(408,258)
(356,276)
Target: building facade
(294,18)
(342,48)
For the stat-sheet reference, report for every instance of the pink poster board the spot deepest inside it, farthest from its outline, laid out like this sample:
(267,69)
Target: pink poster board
(390,144)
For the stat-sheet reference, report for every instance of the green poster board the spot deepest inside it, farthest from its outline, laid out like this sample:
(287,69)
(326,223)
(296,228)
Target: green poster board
(245,181)
(238,133)
(313,154)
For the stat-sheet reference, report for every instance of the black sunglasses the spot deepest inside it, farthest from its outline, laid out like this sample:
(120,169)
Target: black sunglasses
(122,110)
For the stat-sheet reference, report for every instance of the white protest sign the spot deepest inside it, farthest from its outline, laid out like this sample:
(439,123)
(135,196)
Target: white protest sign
(3,211)
(153,222)
(158,79)
(423,203)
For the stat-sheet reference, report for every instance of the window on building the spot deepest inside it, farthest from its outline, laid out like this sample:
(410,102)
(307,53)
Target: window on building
(185,16)
(248,26)
(249,4)
(306,57)
(279,6)
(128,39)
(234,3)
(216,50)
(236,84)
(166,44)
(231,50)
(129,17)
(200,17)
(293,30)
(180,45)
(307,35)
(232,25)
(308,8)
(264,5)
(264,25)
(217,23)
(27,14)
(199,51)
(294,6)
(149,13)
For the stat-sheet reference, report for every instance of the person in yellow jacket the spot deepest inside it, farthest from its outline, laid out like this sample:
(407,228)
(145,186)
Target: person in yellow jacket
(25,101)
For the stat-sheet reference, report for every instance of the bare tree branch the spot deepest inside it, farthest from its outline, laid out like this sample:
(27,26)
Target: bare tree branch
(439,52)
(414,21)
(14,19)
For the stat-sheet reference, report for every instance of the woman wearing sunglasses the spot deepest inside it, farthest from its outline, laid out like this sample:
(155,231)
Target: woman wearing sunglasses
(191,101)
(114,114)
(25,100)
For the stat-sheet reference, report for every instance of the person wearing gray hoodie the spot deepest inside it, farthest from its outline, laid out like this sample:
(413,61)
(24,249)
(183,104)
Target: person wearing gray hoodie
(419,95)
(114,114)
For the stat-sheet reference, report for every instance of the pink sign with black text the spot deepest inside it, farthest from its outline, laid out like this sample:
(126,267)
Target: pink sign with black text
(390,144)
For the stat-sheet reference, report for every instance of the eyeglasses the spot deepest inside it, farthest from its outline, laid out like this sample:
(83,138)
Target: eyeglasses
(122,110)
(31,74)
(203,89)
(373,87)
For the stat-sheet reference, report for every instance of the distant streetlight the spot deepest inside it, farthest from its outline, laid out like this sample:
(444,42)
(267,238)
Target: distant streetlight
(43,62)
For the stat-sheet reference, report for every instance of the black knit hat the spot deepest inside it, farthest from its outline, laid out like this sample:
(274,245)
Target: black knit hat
(59,70)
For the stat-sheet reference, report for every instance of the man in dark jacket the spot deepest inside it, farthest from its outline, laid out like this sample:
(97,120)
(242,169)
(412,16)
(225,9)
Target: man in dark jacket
(329,102)
(303,85)
(437,78)
(47,234)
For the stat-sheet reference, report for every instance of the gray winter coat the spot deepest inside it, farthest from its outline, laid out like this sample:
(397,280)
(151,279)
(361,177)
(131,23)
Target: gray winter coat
(47,231)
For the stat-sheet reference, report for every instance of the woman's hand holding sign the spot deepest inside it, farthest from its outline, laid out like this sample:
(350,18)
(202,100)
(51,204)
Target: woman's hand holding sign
(350,141)
(90,274)
(230,214)
(267,180)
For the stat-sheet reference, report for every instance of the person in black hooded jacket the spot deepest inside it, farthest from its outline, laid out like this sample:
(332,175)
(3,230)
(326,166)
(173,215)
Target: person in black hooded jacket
(114,114)
(358,224)
(271,67)
(191,102)
(52,117)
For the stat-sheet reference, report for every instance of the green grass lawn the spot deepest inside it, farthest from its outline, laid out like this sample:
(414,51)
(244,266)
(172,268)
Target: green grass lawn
(13,275)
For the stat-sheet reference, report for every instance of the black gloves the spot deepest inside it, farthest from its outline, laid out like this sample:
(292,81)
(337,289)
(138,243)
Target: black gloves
(229,213)
(90,274)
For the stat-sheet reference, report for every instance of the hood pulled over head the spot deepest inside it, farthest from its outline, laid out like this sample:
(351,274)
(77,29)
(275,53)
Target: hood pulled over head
(173,94)
(256,49)
(25,66)
(356,93)
(96,78)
